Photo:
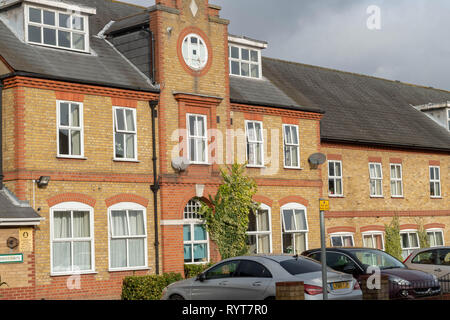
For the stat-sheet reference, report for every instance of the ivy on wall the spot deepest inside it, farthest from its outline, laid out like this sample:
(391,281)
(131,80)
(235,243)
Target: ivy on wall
(227,218)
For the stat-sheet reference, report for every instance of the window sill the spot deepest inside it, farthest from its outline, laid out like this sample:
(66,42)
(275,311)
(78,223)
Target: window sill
(71,158)
(293,168)
(376,197)
(126,160)
(130,269)
(336,196)
(67,274)
(436,198)
(199,164)
(398,197)
(256,167)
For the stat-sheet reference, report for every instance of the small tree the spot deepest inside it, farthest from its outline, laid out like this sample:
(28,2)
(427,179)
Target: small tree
(393,240)
(227,219)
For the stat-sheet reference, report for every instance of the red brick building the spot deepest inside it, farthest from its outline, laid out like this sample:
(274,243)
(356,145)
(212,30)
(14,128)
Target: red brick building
(116,119)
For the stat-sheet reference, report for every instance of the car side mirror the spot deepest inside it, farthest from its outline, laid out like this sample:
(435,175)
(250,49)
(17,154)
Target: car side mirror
(201,277)
(350,269)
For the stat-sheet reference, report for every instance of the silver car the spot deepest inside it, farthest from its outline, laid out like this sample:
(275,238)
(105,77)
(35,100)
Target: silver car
(255,278)
(431,260)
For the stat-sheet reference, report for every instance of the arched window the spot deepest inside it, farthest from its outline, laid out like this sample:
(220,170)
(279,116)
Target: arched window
(127,236)
(295,228)
(259,234)
(72,238)
(195,237)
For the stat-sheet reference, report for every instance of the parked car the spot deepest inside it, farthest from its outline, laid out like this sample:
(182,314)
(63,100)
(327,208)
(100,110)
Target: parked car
(432,260)
(404,283)
(255,278)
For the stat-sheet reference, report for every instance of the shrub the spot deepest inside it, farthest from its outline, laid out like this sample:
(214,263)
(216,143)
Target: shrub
(147,287)
(393,244)
(193,270)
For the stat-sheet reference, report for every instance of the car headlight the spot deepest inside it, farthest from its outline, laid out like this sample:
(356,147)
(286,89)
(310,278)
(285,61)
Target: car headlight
(401,282)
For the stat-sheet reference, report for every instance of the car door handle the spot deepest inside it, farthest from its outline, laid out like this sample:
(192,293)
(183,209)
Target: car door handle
(257,284)
(438,270)
(223,283)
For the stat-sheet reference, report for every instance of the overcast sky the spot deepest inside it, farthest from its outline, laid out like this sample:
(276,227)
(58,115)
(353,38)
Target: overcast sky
(412,44)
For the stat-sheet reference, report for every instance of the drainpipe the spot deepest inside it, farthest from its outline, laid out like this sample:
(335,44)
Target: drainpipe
(156,186)
(1,135)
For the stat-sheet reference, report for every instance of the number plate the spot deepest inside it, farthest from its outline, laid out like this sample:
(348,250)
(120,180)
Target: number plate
(340,285)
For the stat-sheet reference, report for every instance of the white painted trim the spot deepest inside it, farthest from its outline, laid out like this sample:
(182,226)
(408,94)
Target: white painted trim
(397,179)
(205,121)
(294,205)
(73,206)
(435,230)
(256,233)
(126,206)
(372,233)
(135,132)
(376,179)
(250,62)
(262,142)
(436,181)
(64,5)
(335,177)
(247,42)
(342,234)
(171,222)
(69,156)
(291,145)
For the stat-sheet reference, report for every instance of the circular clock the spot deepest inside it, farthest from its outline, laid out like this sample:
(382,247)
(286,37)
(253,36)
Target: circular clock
(194,51)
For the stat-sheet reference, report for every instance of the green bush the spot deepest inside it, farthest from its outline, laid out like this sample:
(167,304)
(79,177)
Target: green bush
(193,270)
(147,287)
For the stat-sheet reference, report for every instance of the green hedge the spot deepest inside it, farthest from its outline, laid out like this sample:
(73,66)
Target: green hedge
(147,287)
(193,270)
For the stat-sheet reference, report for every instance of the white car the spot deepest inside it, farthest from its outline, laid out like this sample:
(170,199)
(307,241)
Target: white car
(431,260)
(255,278)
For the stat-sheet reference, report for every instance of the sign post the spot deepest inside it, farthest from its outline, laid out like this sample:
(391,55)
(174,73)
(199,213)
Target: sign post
(324,206)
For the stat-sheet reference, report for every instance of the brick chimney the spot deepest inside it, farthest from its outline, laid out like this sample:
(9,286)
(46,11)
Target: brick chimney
(170,3)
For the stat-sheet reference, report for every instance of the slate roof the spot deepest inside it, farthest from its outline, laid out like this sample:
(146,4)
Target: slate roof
(130,22)
(12,208)
(105,66)
(362,109)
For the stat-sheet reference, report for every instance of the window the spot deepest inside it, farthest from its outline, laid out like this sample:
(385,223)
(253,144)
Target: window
(128,236)
(125,134)
(335,178)
(426,257)
(435,238)
(195,237)
(198,140)
(259,233)
(444,257)
(195,51)
(245,62)
(410,242)
(255,143)
(251,269)
(342,240)
(373,240)
(224,270)
(291,147)
(435,182)
(376,180)
(339,261)
(396,180)
(70,129)
(300,266)
(60,29)
(295,228)
(72,244)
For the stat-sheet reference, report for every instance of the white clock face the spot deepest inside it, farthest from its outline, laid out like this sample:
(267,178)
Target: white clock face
(195,52)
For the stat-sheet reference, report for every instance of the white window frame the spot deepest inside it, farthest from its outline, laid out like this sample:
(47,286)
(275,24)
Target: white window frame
(248,143)
(125,132)
(197,138)
(396,180)
(190,58)
(434,231)
(372,234)
(291,145)
(72,206)
(294,206)
(336,178)
(342,235)
(56,27)
(192,222)
(127,206)
(70,128)
(240,61)
(259,233)
(436,182)
(376,179)
(410,249)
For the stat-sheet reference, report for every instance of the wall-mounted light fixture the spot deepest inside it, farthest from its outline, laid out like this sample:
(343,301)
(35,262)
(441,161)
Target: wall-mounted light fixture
(43,181)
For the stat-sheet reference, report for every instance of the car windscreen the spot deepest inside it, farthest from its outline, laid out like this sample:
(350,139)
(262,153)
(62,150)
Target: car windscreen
(377,258)
(300,266)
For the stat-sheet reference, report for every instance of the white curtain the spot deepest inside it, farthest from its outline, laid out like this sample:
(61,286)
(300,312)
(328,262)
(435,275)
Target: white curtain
(118,253)
(119,223)
(300,243)
(300,218)
(62,227)
(136,223)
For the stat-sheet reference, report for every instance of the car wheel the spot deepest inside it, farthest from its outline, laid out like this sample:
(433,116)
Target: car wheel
(176,297)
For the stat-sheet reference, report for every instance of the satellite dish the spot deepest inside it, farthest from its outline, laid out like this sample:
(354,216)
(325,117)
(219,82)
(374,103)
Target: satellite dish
(317,159)
(180,164)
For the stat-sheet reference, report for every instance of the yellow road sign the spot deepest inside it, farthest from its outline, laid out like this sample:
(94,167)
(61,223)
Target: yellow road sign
(324,205)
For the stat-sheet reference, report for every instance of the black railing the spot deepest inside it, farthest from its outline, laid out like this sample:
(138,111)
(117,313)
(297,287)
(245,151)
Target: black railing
(445,283)
(419,289)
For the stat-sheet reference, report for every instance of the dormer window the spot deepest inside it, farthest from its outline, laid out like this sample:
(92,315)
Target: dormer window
(57,28)
(245,57)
